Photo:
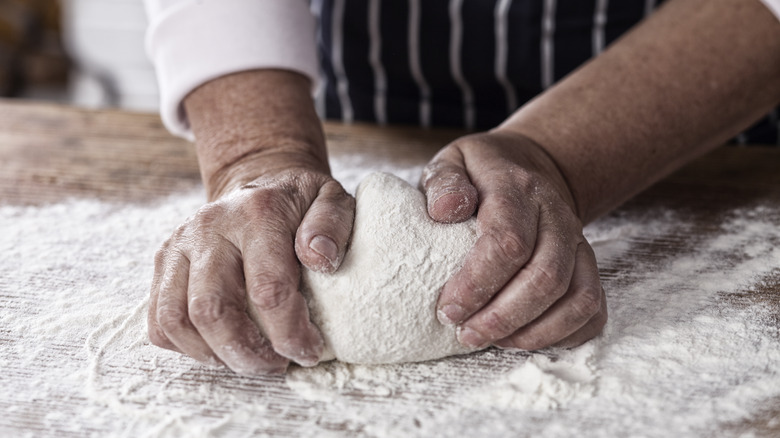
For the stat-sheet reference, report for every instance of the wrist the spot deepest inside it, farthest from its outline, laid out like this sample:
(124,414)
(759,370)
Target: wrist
(254,123)
(260,162)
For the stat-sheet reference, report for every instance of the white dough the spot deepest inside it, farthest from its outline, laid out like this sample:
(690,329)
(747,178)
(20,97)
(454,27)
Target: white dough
(380,306)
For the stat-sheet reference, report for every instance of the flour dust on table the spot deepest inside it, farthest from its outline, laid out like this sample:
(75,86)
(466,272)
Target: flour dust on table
(690,348)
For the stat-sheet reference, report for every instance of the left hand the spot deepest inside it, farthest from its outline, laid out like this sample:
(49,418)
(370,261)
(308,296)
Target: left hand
(531,279)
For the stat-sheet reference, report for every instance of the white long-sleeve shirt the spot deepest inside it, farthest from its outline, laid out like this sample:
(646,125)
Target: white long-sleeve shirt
(191,42)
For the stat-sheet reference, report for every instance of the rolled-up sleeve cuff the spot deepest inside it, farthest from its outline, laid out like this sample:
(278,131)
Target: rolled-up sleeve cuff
(194,41)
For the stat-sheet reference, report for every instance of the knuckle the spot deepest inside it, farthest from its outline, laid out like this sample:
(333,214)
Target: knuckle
(171,319)
(571,221)
(181,230)
(161,254)
(509,247)
(591,329)
(203,223)
(440,174)
(497,326)
(528,182)
(547,282)
(512,246)
(471,294)
(587,304)
(270,295)
(208,216)
(431,171)
(207,311)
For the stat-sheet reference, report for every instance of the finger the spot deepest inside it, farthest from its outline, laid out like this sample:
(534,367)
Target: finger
(569,315)
(590,330)
(217,308)
(156,333)
(322,237)
(507,234)
(272,281)
(451,196)
(172,314)
(532,291)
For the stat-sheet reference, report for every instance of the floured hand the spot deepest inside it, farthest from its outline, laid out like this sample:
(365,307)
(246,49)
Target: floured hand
(531,279)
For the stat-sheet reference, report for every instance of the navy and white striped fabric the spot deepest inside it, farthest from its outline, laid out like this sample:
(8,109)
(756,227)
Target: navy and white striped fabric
(464,63)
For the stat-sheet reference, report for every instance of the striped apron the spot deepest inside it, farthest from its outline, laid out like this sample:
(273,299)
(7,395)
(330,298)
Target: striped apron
(464,63)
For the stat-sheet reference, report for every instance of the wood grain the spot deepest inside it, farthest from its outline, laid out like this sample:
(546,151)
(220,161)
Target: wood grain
(49,152)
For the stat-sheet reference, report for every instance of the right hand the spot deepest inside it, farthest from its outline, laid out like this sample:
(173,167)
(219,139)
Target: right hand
(240,250)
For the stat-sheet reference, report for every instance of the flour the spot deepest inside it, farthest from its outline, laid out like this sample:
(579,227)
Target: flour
(544,382)
(380,306)
(690,349)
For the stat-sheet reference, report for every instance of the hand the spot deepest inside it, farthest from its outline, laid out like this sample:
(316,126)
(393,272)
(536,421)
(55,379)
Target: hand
(531,279)
(240,251)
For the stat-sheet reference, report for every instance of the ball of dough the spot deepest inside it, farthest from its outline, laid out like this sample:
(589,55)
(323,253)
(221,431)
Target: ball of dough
(380,306)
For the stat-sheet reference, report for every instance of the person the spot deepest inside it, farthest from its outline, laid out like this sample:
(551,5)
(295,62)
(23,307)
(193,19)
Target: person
(564,130)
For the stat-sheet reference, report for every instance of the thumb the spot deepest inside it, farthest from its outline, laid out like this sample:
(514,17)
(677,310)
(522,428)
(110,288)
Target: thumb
(322,237)
(451,196)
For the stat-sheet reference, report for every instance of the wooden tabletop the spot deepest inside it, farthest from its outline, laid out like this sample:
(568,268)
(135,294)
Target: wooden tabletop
(48,152)
(51,152)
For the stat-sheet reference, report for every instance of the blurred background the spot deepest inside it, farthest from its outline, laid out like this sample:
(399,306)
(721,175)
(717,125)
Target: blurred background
(82,52)
(91,53)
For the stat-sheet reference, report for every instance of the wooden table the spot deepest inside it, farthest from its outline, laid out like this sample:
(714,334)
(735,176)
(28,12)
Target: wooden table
(50,152)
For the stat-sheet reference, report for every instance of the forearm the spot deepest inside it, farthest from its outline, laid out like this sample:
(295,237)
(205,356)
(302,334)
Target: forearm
(252,123)
(683,82)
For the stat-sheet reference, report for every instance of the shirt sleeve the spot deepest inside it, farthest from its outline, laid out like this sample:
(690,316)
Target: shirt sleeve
(774,6)
(191,42)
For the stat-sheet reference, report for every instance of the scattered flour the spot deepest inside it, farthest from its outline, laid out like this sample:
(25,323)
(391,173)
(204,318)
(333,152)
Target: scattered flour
(544,382)
(691,348)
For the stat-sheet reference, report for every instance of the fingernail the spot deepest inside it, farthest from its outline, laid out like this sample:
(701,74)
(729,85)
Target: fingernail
(213,362)
(309,356)
(326,247)
(308,361)
(471,338)
(450,314)
(306,357)
(510,348)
